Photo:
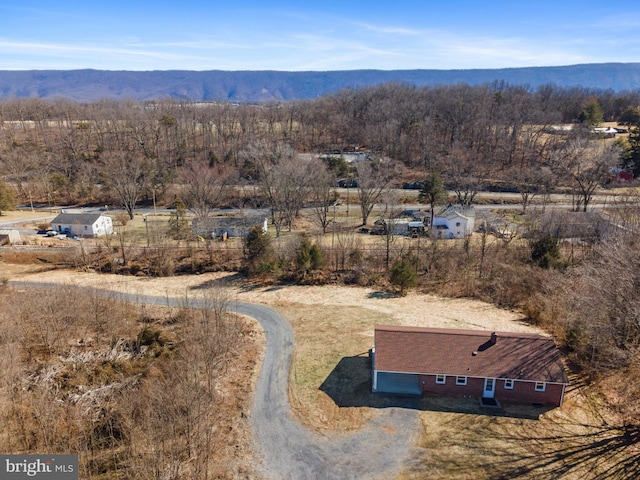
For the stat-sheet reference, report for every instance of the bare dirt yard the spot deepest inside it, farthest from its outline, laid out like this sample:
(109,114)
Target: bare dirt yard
(330,378)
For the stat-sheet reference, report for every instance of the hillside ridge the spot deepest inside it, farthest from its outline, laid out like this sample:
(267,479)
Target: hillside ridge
(269,85)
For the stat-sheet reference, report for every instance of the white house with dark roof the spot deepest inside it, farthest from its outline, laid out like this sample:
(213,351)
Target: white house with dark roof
(511,367)
(87,225)
(453,221)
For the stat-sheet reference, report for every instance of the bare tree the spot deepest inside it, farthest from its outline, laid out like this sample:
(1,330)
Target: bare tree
(347,249)
(19,164)
(283,178)
(322,193)
(465,173)
(265,161)
(373,178)
(126,174)
(531,180)
(205,186)
(391,216)
(587,164)
(625,211)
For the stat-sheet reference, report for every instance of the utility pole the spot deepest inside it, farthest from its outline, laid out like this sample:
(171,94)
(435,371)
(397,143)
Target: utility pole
(333,234)
(146,226)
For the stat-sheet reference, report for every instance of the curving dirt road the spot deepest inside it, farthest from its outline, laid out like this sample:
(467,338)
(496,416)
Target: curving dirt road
(287,450)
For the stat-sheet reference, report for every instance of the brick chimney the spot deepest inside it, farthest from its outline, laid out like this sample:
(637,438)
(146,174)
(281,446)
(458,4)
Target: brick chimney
(494,337)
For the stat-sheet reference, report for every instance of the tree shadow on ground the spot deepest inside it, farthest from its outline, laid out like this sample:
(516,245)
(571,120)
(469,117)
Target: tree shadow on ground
(349,385)
(237,279)
(383,295)
(240,281)
(564,448)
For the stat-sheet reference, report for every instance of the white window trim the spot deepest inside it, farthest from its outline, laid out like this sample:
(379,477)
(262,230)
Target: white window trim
(540,387)
(508,384)
(441,379)
(461,381)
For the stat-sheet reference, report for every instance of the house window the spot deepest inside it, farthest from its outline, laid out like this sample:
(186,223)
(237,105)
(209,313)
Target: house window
(540,386)
(85,227)
(457,224)
(461,380)
(508,384)
(441,379)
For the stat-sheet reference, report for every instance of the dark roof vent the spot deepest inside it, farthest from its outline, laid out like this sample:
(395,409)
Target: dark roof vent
(494,338)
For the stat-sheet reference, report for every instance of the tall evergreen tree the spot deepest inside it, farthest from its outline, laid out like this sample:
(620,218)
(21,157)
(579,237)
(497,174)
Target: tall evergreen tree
(258,250)
(178,222)
(432,193)
(631,119)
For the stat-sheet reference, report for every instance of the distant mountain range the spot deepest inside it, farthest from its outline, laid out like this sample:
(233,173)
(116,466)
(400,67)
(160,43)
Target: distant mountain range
(260,86)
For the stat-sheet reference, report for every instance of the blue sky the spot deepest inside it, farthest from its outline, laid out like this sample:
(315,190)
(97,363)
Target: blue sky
(319,35)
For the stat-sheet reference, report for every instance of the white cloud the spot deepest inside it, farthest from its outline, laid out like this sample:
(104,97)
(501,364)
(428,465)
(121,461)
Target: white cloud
(318,42)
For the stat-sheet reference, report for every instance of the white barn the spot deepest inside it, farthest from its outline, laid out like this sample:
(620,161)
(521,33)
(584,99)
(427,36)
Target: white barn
(83,224)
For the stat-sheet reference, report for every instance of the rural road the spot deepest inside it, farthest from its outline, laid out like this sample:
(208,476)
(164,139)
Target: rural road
(288,450)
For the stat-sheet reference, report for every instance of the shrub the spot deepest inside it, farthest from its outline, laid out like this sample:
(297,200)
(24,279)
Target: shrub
(403,275)
(545,252)
(308,256)
(258,251)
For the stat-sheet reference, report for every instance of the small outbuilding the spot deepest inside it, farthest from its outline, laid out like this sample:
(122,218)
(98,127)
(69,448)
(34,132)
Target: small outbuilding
(83,224)
(223,227)
(9,237)
(511,367)
(579,227)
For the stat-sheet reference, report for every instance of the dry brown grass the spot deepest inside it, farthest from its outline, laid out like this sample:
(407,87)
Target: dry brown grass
(572,442)
(115,382)
(333,327)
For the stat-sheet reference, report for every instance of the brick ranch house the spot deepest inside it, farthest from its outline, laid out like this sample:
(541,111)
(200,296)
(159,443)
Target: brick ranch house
(518,368)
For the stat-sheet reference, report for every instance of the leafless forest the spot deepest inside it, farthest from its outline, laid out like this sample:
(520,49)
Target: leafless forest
(122,152)
(199,157)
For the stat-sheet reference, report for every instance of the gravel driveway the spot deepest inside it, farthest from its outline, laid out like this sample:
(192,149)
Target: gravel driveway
(289,451)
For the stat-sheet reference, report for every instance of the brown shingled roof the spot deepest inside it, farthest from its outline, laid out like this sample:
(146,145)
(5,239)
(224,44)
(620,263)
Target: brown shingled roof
(519,356)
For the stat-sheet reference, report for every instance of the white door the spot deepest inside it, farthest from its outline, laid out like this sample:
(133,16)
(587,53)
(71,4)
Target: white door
(489,387)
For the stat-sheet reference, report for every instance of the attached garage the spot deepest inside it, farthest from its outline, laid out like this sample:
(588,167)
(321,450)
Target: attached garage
(406,383)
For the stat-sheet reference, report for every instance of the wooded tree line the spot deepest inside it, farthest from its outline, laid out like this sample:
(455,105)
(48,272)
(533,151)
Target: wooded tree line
(492,136)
